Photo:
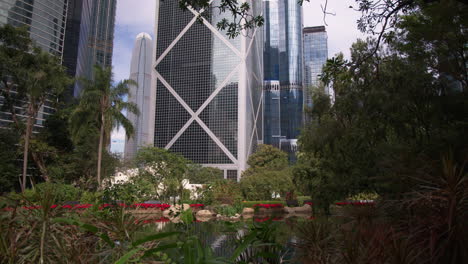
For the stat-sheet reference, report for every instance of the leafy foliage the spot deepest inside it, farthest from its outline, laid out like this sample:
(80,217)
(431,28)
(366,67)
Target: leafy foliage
(394,113)
(268,174)
(9,167)
(198,174)
(241,16)
(262,184)
(29,77)
(268,157)
(100,109)
(162,166)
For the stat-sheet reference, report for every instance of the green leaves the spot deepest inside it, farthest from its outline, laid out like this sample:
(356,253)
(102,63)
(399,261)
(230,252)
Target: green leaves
(87,227)
(157,236)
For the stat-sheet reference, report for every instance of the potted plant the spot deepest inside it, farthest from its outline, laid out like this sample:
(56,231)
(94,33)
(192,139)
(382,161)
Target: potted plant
(291,199)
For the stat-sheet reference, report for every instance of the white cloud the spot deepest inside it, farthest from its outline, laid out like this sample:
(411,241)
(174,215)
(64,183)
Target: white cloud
(136,12)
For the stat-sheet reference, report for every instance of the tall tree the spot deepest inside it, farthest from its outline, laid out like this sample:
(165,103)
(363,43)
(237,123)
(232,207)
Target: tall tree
(100,107)
(163,166)
(395,111)
(30,77)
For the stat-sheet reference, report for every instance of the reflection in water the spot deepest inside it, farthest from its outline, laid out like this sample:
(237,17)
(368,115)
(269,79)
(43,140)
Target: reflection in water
(223,237)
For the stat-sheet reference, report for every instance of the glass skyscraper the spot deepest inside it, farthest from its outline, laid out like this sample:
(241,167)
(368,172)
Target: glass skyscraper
(76,53)
(140,94)
(283,95)
(100,39)
(208,88)
(45,21)
(315,56)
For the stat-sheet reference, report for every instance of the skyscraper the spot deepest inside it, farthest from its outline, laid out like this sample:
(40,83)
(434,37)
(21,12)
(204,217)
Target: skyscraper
(76,54)
(45,21)
(315,56)
(140,72)
(208,88)
(100,39)
(283,73)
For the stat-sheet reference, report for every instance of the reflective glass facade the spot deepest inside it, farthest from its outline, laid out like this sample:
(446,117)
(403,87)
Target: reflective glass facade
(315,56)
(46,22)
(76,54)
(208,88)
(44,19)
(283,94)
(100,38)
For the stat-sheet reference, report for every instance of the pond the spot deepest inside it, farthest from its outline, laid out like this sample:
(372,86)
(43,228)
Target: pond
(224,237)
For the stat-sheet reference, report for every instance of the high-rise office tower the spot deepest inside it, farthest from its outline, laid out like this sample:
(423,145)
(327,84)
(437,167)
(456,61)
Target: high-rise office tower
(208,88)
(315,56)
(76,54)
(100,38)
(140,94)
(283,94)
(45,21)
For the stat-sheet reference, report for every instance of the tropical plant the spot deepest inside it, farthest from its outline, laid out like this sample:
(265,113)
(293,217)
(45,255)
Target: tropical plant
(30,77)
(101,105)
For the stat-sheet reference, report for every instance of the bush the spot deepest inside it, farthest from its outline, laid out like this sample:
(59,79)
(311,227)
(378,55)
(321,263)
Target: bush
(220,192)
(203,175)
(91,197)
(252,203)
(125,191)
(227,210)
(61,193)
(364,196)
(262,184)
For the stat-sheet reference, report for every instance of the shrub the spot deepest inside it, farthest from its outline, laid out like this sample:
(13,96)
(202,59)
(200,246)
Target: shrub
(262,184)
(252,203)
(60,192)
(203,175)
(220,192)
(91,197)
(227,210)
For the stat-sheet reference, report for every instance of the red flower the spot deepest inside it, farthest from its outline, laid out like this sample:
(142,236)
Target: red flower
(278,205)
(264,219)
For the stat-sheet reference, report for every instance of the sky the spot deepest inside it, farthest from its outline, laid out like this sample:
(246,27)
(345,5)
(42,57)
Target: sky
(136,16)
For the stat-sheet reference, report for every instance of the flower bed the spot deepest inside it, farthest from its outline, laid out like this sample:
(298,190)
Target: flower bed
(268,206)
(197,205)
(161,207)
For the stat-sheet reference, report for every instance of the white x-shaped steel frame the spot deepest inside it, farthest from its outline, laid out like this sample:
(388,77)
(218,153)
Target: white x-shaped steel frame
(195,115)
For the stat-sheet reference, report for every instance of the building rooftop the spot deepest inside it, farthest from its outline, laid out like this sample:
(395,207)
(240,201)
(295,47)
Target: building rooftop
(144,35)
(314,29)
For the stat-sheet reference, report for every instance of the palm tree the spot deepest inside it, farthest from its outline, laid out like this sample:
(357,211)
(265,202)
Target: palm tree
(100,108)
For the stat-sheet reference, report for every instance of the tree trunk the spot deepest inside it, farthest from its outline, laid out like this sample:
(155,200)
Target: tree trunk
(39,161)
(27,135)
(101,139)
